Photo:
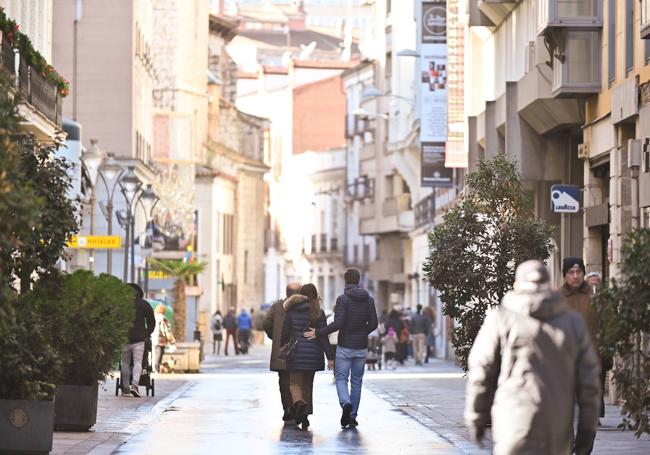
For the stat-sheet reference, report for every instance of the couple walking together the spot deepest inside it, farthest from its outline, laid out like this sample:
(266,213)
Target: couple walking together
(300,316)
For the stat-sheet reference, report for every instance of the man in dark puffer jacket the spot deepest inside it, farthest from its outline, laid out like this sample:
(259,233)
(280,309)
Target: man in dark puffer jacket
(355,318)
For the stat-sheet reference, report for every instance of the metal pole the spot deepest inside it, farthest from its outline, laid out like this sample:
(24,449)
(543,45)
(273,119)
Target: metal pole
(109,252)
(133,247)
(92,228)
(126,246)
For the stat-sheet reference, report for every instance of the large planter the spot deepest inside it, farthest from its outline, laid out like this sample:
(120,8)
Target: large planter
(26,427)
(75,407)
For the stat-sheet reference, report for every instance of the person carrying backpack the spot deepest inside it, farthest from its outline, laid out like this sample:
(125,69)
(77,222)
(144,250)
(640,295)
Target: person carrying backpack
(216,324)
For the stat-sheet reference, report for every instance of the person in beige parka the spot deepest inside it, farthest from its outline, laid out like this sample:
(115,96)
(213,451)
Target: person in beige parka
(532,360)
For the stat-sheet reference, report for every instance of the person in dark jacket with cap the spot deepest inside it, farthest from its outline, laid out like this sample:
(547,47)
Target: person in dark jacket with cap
(273,325)
(143,326)
(307,357)
(355,318)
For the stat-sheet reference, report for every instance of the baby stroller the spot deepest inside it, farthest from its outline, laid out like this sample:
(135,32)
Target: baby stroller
(145,377)
(373,360)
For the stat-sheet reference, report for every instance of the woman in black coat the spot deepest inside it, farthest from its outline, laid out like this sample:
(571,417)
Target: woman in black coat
(304,312)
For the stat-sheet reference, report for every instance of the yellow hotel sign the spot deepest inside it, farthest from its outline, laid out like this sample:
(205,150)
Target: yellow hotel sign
(95,241)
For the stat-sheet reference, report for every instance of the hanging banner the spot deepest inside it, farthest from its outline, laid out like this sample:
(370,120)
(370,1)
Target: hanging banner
(456,152)
(433,95)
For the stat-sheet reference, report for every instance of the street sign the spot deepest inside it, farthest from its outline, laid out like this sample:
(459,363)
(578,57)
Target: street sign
(565,198)
(95,242)
(158,275)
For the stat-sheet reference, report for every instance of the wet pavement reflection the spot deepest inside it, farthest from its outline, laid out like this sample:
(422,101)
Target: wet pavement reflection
(235,408)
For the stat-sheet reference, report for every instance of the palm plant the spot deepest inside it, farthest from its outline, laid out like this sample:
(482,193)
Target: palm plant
(184,273)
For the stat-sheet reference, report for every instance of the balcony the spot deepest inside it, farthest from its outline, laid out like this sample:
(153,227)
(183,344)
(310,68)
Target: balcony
(41,101)
(576,14)
(495,11)
(361,188)
(395,205)
(576,65)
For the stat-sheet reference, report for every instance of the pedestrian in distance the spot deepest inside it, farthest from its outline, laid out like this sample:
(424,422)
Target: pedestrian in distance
(578,294)
(258,326)
(390,348)
(420,329)
(273,324)
(245,324)
(308,355)
(395,322)
(532,360)
(355,318)
(431,335)
(162,336)
(143,326)
(216,325)
(230,325)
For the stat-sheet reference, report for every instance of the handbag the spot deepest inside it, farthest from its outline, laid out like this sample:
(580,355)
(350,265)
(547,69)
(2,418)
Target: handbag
(288,348)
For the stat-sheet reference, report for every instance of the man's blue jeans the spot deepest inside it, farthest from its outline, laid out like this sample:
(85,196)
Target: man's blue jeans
(350,363)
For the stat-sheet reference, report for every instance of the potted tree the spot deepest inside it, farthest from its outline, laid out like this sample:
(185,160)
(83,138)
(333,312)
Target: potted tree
(88,318)
(29,365)
(37,219)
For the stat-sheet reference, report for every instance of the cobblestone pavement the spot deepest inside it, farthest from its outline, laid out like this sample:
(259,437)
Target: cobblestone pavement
(434,395)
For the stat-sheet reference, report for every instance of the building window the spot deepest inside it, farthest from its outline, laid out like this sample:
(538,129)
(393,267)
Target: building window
(629,35)
(611,41)
(646,44)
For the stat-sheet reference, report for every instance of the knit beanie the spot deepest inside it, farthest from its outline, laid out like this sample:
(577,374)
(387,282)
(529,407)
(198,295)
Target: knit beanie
(570,263)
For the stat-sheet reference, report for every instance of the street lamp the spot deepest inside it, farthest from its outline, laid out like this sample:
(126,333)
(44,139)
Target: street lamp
(92,160)
(129,184)
(371,93)
(148,200)
(109,172)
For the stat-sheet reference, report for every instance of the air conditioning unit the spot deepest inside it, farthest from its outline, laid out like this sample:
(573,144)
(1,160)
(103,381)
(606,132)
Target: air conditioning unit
(583,151)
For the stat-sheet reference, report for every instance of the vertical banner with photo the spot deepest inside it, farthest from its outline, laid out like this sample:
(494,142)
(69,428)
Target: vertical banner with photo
(456,152)
(433,94)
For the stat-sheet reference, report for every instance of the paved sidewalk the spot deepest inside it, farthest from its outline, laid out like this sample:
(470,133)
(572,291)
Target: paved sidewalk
(434,395)
(118,418)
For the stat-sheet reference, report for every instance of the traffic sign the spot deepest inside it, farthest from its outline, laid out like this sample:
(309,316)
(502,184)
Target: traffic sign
(95,242)
(565,198)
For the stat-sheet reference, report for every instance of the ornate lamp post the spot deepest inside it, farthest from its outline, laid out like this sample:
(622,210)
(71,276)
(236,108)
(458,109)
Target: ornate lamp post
(92,160)
(110,174)
(148,200)
(130,185)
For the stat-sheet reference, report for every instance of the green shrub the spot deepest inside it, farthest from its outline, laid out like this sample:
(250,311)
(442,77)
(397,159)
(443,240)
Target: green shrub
(87,321)
(28,364)
(624,310)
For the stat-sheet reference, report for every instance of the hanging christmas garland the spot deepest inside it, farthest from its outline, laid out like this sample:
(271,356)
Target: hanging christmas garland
(11,30)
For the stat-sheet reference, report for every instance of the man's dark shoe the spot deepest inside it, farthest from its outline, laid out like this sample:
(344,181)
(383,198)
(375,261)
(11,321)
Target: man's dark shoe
(353,423)
(300,412)
(345,417)
(288,416)
(305,423)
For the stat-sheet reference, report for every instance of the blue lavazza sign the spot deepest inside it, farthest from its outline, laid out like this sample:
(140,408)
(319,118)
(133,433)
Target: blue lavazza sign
(565,198)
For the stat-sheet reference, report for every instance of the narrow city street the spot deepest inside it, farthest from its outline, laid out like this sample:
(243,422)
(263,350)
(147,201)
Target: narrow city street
(233,404)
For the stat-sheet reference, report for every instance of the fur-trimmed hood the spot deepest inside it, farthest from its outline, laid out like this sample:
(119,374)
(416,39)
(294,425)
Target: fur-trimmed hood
(292,301)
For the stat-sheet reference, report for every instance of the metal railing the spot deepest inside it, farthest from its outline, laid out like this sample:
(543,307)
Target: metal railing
(32,87)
